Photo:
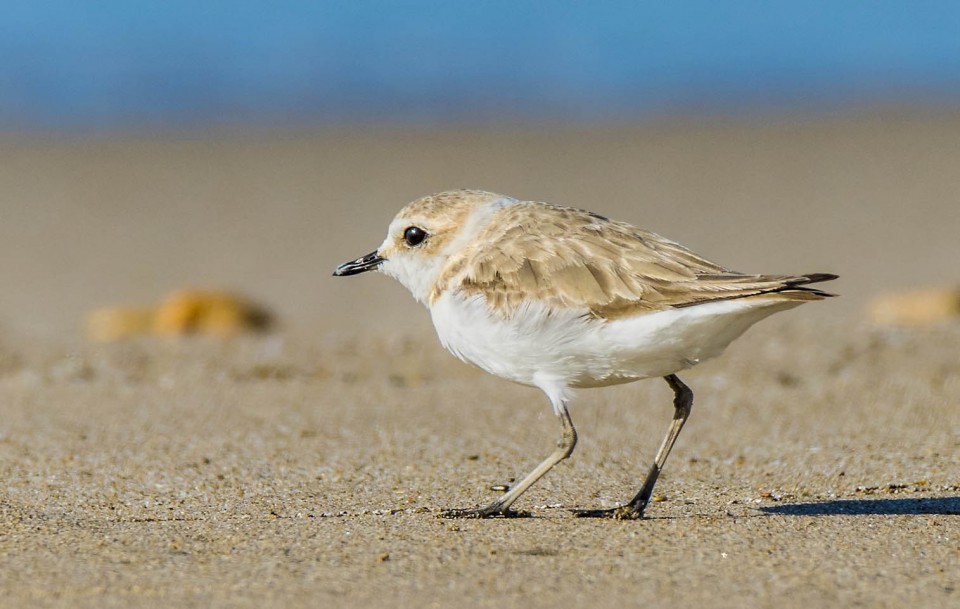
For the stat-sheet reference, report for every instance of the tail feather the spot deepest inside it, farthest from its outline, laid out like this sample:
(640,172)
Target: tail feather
(797,285)
(785,288)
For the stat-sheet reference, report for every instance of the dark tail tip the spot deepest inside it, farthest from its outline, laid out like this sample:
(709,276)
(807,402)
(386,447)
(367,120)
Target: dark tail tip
(800,283)
(816,278)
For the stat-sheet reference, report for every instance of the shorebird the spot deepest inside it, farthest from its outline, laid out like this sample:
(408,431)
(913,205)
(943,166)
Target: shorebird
(561,298)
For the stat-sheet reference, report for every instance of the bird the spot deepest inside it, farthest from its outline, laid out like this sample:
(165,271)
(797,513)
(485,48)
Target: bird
(560,299)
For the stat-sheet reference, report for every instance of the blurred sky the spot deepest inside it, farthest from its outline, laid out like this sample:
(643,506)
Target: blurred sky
(82,65)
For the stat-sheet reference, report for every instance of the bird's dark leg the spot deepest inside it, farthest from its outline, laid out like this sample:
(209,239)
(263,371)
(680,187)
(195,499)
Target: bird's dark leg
(682,404)
(501,507)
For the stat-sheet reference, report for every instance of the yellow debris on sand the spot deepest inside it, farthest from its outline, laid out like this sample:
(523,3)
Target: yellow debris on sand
(920,307)
(183,312)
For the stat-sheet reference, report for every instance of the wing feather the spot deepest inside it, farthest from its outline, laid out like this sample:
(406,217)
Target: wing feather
(570,258)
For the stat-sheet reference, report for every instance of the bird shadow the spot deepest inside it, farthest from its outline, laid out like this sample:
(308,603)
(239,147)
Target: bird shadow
(869,507)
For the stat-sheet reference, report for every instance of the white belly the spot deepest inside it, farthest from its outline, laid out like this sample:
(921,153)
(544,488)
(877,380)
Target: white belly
(579,351)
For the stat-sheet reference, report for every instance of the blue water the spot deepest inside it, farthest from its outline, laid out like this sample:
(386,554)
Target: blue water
(108,63)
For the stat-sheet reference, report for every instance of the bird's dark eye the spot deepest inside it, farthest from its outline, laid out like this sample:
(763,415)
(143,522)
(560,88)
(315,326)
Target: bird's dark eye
(414,236)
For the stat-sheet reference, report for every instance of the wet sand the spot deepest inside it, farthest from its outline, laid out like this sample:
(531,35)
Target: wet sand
(307,466)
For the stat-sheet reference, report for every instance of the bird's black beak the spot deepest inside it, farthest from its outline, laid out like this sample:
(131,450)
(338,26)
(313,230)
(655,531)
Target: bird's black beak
(360,265)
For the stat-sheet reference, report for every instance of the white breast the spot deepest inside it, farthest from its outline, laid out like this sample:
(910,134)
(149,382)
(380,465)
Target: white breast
(575,350)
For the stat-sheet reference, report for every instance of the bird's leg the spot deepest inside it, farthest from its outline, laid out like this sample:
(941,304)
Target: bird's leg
(501,507)
(682,404)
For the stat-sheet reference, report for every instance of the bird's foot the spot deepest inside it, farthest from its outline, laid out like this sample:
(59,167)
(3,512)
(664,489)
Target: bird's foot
(490,511)
(624,512)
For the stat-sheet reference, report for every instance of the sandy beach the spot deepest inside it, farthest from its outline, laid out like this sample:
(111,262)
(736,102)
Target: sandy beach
(307,466)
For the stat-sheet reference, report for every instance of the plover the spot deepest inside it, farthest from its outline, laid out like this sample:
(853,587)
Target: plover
(560,298)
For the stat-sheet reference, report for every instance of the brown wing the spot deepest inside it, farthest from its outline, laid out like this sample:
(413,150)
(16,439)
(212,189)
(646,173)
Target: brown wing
(570,258)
